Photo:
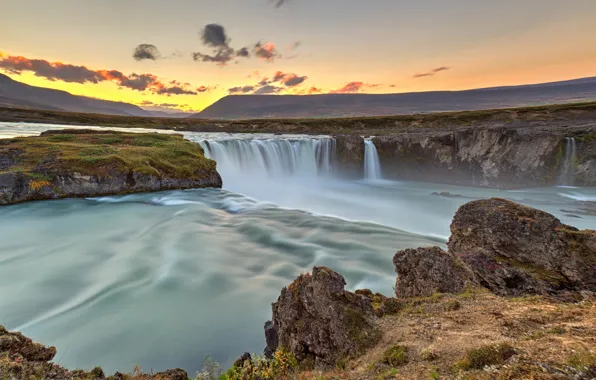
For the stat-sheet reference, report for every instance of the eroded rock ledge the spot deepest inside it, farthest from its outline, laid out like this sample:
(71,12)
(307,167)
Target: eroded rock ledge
(87,163)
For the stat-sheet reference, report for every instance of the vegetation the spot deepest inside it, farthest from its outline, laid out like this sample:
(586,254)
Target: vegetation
(396,355)
(103,153)
(364,125)
(481,357)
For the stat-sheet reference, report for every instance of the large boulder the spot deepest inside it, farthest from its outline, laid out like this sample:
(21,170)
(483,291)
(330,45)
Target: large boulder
(422,272)
(514,249)
(14,343)
(320,322)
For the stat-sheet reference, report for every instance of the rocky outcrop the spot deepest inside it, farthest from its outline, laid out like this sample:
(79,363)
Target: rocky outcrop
(507,248)
(84,163)
(319,322)
(21,358)
(424,271)
(349,156)
(502,157)
(513,249)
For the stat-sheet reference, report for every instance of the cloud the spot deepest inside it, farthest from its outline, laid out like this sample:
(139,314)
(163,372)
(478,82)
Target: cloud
(204,88)
(354,87)
(314,90)
(214,35)
(146,51)
(243,52)
(280,81)
(268,89)
(279,3)
(431,72)
(221,56)
(294,46)
(266,51)
(241,89)
(58,71)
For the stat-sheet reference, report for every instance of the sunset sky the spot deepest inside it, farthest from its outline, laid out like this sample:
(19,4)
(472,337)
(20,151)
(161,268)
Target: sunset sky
(207,49)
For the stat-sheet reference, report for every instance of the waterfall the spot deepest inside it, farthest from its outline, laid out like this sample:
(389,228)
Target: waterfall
(304,157)
(568,168)
(372,165)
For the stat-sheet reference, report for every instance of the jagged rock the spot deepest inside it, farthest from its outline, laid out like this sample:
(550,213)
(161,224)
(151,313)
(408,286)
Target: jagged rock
(240,361)
(514,249)
(320,322)
(271,339)
(424,271)
(14,343)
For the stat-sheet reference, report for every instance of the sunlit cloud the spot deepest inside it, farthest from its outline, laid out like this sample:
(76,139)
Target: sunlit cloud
(353,87)
(431,72)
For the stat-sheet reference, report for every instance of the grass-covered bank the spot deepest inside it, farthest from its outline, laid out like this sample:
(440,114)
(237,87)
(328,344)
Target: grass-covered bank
(563,113)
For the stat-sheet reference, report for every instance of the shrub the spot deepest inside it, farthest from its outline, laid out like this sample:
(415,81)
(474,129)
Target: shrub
(452,305)
(396,355)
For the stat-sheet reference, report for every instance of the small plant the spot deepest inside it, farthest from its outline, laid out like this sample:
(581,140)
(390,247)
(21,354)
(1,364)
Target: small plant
(428,355)
(452,305)
(434,375)
(479,358)
(582,360)
(281,365)
(396,355)
(211,370)
(38,184)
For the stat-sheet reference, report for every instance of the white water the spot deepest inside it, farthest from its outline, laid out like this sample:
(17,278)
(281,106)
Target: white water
(164,279)
(570,159)
(372,165)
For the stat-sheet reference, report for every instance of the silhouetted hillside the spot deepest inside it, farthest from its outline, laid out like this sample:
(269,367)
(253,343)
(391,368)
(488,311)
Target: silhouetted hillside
(349,105)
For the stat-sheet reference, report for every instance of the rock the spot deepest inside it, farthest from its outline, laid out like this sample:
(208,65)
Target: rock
(271,339)
(514,249)
(171,374)
(320,323)
(349,156)
(83,163)
(424,271)
(240,361)
(14,343)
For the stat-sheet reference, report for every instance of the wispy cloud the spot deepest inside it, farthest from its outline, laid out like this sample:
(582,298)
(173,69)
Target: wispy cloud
(431,72)
(353,87)
(279,82)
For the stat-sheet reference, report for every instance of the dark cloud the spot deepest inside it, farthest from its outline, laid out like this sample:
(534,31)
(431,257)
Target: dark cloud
(57,71)
(146,51)
(243,52)
(221,56)
(268,89)
(214,35)
(279,3)
(266,51)
(353,87)
(241,90)
(432,72)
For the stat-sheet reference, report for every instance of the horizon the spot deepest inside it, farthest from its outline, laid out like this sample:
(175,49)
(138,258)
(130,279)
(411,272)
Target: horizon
(201,52)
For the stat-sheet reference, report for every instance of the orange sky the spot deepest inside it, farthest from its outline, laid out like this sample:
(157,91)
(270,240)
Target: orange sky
(381,44)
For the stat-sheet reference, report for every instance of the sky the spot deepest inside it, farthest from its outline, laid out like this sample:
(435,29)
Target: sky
(187,54)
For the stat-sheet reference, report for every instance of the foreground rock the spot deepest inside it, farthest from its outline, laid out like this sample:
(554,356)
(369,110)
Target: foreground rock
(86,163)
(320,323)
(507,248)
(21,358)
(515,250)
(424,271)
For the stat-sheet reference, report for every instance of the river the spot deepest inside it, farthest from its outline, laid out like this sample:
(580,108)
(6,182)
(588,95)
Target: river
(162,280)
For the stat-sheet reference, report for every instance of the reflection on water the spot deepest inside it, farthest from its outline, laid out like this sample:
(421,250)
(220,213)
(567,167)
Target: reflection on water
(162,280)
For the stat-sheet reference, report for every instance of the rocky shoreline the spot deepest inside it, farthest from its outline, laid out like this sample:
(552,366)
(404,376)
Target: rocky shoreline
(514,284)
(87,163)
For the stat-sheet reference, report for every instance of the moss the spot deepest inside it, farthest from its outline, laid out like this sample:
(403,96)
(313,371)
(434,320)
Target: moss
(396,355)
(360,331)
(478,358)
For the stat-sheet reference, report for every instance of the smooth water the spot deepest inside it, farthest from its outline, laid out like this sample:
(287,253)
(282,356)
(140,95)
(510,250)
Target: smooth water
(164,279)
(372,165)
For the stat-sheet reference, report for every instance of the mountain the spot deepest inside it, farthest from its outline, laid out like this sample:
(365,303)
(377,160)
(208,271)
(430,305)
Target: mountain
(348,105)
(20,95)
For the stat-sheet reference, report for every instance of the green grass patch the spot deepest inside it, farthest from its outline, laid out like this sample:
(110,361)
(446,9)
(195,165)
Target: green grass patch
(481,357)
(396,355)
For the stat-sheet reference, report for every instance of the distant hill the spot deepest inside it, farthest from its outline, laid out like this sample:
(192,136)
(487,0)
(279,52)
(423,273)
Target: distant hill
(349,105)
(19,95)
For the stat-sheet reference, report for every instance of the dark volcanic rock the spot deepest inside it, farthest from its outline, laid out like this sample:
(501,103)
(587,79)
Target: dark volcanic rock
(424,271)
(349,156)
(16,343)
(513,249)
(271,339)
(320,322)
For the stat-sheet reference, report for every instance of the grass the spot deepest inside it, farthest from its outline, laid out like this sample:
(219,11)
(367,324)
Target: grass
(488,355)
(106,153)
(370,125)
(396,355)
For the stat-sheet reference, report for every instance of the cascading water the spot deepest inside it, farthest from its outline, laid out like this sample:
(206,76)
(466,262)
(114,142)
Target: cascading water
(372,165)
(568,169)
(306,157)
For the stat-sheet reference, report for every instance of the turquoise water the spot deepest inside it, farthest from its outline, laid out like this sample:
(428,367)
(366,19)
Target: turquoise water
(162,280)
